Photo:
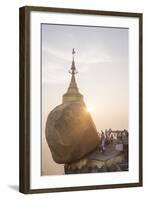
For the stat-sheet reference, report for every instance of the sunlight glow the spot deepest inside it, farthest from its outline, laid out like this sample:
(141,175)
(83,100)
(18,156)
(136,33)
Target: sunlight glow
(89,109)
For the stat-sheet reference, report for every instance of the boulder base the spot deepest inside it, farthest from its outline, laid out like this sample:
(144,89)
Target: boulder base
(70,132)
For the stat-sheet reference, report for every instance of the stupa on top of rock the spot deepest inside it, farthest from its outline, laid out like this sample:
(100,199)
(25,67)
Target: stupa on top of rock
(73,94)
(70,130)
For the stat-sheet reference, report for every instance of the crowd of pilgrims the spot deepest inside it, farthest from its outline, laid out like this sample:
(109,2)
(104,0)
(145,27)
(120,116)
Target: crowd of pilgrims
(112,137)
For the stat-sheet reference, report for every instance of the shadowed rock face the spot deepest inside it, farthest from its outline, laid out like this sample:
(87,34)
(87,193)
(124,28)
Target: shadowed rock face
(86,165)
(70,132)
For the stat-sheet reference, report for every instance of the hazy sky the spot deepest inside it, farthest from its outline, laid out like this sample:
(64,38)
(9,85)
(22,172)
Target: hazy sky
(102,62)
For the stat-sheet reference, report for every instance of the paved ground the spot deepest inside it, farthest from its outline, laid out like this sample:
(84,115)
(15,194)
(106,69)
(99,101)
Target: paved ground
(109,153)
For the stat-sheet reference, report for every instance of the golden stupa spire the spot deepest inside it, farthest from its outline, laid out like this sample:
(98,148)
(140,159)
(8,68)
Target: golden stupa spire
(72,94)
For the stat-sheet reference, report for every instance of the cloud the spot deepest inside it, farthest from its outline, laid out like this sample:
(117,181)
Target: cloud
(55,64)
(90,56)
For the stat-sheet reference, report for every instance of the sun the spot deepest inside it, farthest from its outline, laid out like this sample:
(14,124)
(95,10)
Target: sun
(89,109)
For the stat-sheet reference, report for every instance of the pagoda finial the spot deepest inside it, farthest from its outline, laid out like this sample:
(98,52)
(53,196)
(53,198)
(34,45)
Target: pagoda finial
(73,68)
(73,94)
(73,52)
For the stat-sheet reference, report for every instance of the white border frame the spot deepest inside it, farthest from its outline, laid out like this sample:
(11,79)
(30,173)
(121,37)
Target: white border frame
(132,176)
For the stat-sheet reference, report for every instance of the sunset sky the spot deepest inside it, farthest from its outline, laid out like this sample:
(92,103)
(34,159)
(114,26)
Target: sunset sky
(102,62)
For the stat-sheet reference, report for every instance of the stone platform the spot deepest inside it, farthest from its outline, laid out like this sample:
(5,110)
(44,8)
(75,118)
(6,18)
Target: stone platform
(109,161)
